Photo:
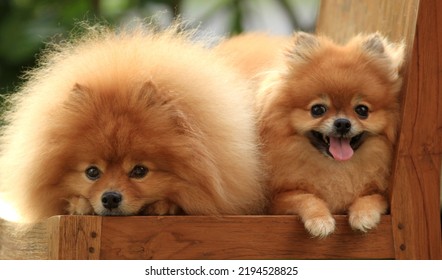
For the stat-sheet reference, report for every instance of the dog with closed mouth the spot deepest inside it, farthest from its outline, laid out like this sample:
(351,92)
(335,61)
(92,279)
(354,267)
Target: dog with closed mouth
(134,121)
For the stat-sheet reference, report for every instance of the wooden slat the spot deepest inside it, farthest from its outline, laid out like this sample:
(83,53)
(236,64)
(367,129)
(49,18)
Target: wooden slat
(416,179)
(342,19)
(237,237)
(20,243)
(74,237)
(187,237)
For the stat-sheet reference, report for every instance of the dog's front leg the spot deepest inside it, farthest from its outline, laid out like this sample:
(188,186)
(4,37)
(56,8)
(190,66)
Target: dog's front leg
(79,205)
(365,212)
(313,211)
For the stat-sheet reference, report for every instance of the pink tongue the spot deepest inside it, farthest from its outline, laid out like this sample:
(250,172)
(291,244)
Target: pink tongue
(340,148)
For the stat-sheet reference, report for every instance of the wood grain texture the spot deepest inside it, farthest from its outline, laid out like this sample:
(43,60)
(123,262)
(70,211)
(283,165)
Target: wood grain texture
(74,237)
(416,178)
(188,237)
(343,19)
(237,237)
(23,243)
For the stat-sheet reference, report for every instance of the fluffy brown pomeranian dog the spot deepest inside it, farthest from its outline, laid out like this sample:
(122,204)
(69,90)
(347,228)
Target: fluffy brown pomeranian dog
(131,122)
(328,119)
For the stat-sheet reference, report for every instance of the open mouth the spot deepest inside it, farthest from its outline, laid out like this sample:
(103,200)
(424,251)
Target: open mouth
(339,148)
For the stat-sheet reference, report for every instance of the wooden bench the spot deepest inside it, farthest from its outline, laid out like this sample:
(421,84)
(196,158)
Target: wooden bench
(412,230)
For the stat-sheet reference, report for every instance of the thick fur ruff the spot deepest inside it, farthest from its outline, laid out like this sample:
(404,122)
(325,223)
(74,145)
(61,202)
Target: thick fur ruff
(119,100)
(312,88)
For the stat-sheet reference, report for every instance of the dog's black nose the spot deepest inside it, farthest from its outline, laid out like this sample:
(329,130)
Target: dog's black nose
(342,126)
(111,200)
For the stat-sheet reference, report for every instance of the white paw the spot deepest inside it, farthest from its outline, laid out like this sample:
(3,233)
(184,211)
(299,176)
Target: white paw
(364,220)
(321,226)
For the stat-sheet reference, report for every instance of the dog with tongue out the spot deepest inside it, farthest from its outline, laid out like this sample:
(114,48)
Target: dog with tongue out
(328,115)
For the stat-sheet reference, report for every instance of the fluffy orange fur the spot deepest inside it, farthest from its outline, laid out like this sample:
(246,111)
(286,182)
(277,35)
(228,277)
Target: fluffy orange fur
(253,53)
(312,88)
(163,122)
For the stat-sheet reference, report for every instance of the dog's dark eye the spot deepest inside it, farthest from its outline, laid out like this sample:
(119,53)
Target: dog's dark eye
(138,172)
(93,173)
(318,110)
(362,111)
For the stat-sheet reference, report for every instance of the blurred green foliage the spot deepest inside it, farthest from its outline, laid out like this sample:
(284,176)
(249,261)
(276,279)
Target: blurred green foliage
(26,25)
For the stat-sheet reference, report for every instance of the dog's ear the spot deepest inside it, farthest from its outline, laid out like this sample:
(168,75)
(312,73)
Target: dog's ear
(396,53)
(373,43)
(78,97)
(303,47)
(80,89)
(155,97)
(150,95)
(377,45)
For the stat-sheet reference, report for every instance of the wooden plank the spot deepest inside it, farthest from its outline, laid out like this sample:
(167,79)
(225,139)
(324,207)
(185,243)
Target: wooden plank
(23,243)
(416,178)
(342,19)
(74,237)
(237,237)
